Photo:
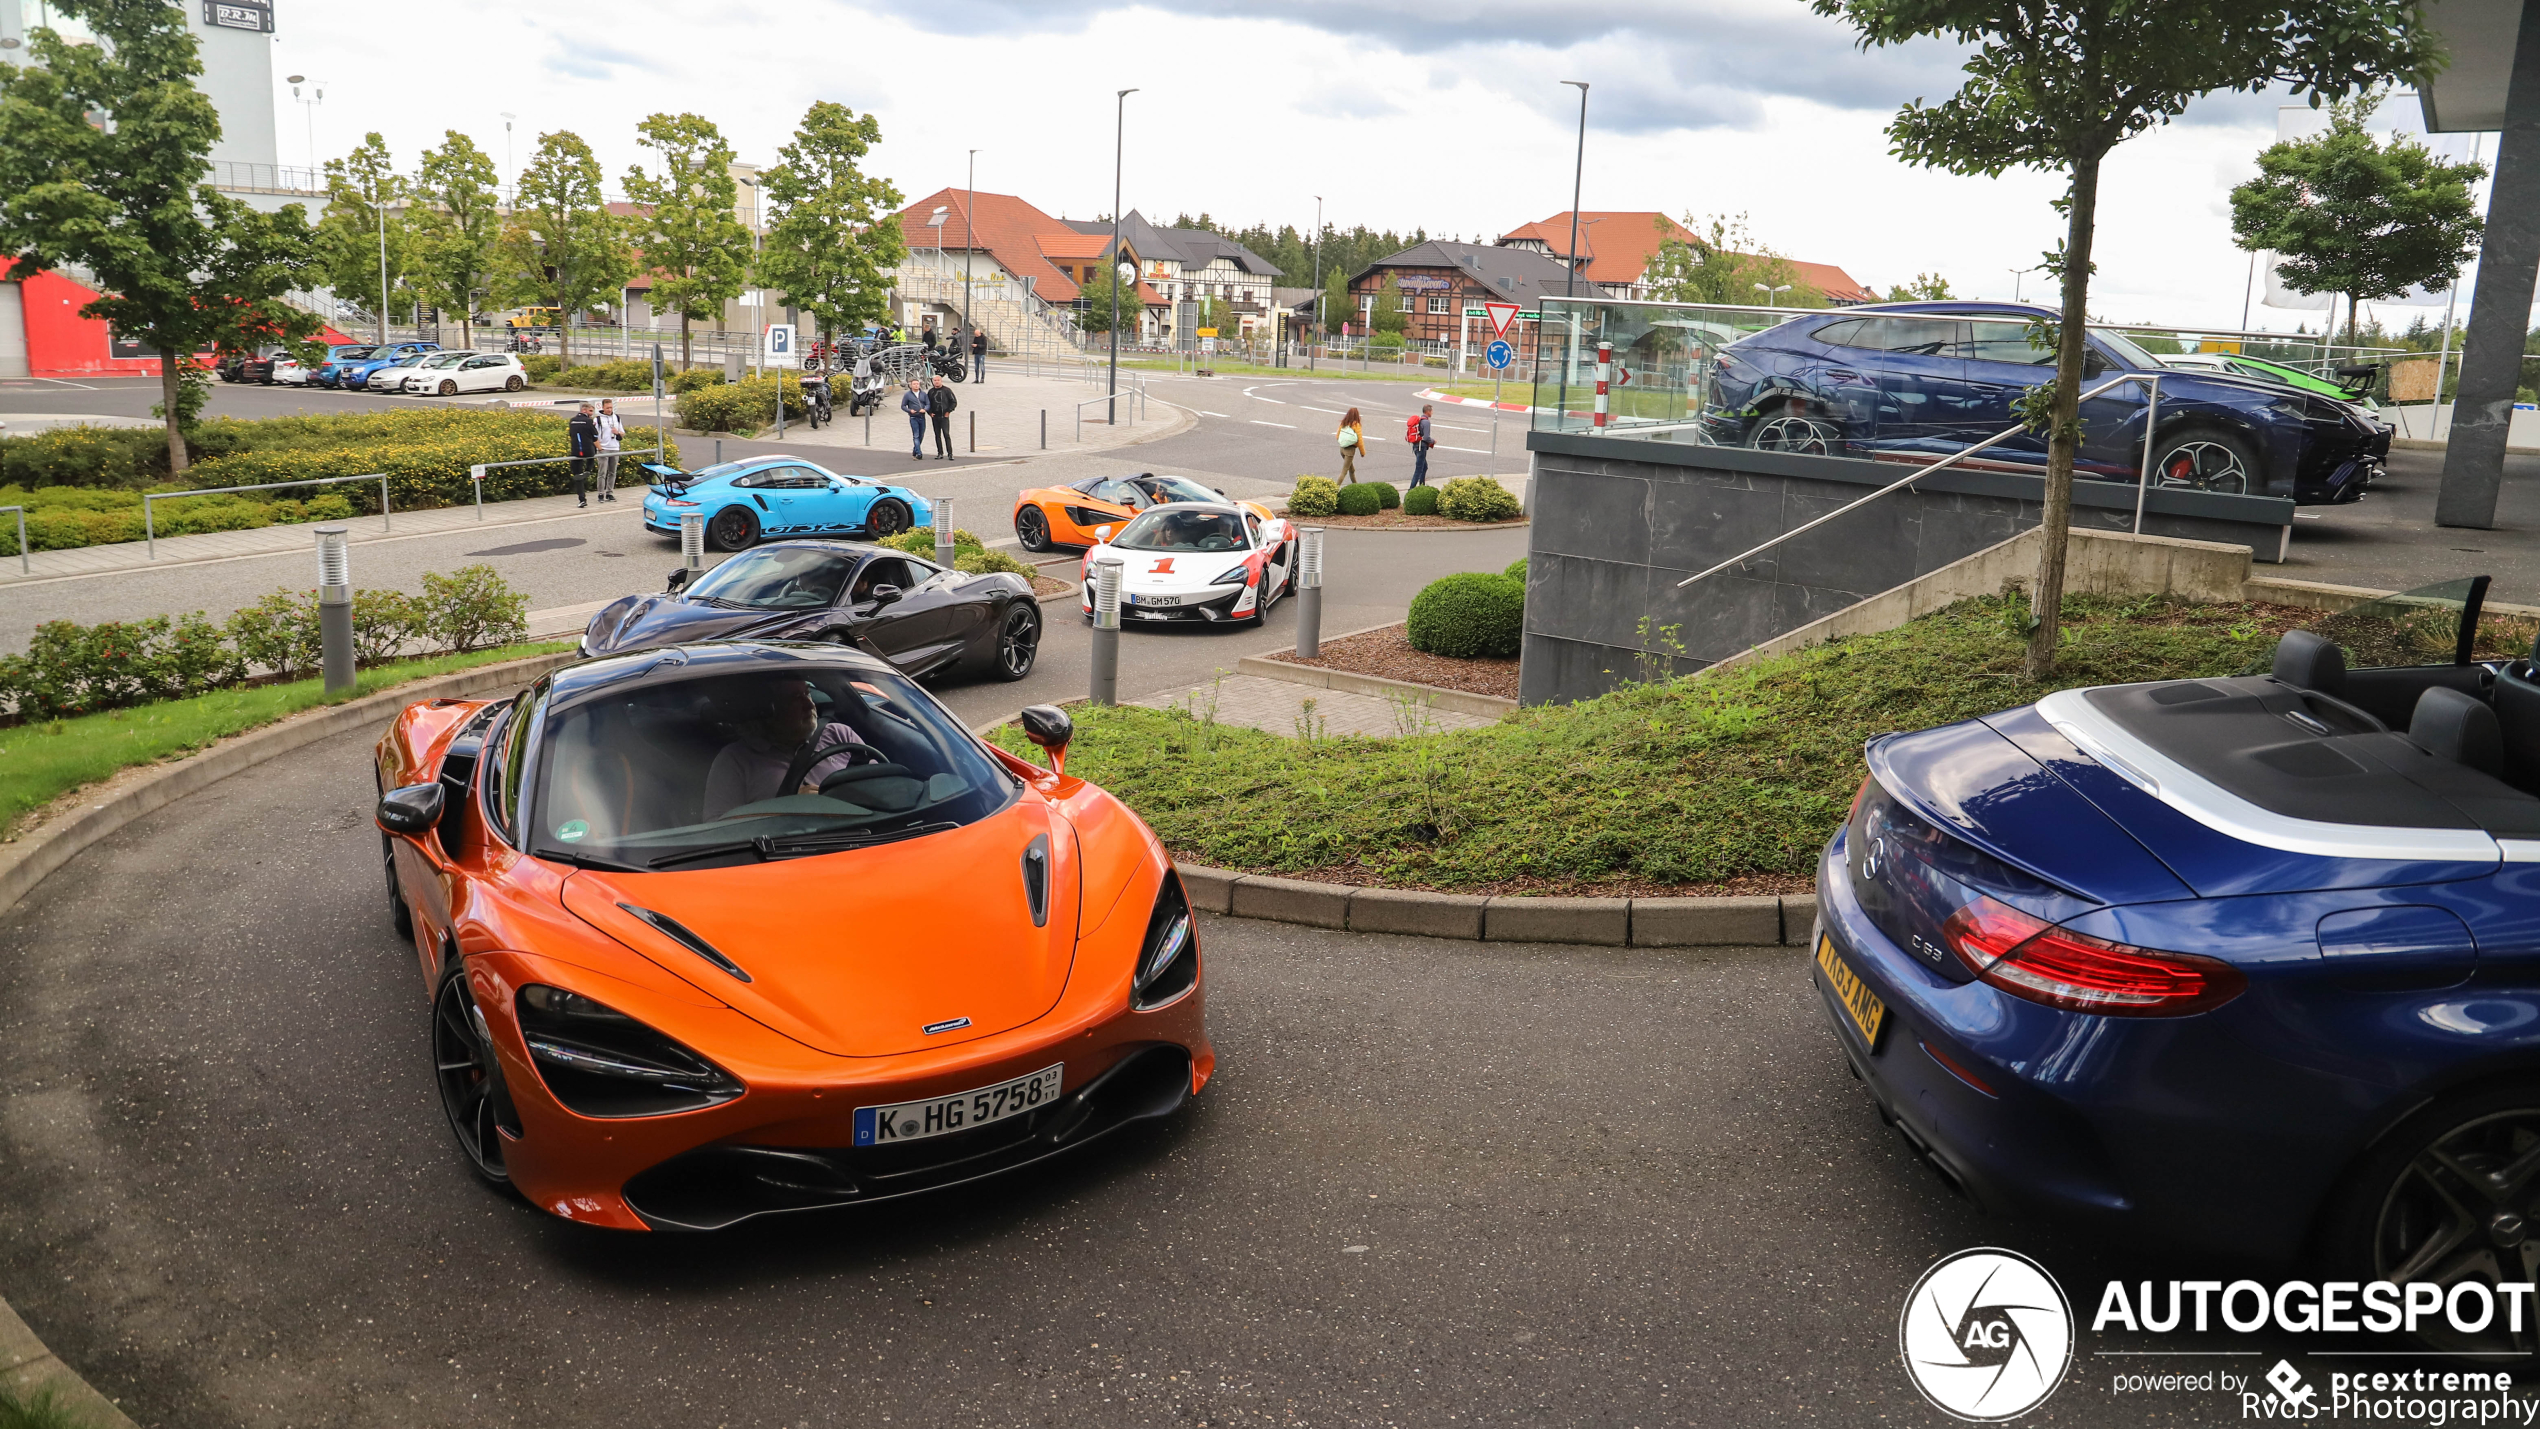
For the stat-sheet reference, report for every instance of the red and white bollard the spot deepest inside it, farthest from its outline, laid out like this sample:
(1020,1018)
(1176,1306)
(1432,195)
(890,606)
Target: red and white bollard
(1604,373)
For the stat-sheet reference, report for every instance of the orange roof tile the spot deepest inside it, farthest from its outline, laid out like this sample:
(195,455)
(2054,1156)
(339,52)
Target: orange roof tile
(1620,244)
(1008,230)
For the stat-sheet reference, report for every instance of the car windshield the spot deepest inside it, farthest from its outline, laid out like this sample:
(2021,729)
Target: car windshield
(726,769)
(446,359)
(721,468)
(1169,529)
(2126,353)
(348,354)
(1175,488)
(783,578)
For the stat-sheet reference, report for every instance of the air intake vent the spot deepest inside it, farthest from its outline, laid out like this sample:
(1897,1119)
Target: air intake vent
(679,933)
(1036,879)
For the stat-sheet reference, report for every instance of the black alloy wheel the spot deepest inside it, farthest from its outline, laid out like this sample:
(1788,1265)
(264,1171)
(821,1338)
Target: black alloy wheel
(2206,460)
(2452,1197)
(1032,529)
(732,529)
(400,916)
(1286,556)
(888,518)
(470,1078)
(1019,640)
(1787,429)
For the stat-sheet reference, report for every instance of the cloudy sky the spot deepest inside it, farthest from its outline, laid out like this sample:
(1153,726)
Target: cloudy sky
(1400,113)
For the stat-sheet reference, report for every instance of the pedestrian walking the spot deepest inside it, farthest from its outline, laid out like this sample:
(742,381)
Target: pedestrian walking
(611,436)
(913,402)
(932,338)
(1353,437)
(582,442)
(978,355)
(1421,441)
(940,404)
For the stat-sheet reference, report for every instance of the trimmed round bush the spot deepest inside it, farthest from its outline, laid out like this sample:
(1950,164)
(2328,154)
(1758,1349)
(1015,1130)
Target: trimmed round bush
(980,563)
(1360,499)
(1420,501)
(1314,496)
(1467,616)
(1477,498)
(1388,496)
(1517,568)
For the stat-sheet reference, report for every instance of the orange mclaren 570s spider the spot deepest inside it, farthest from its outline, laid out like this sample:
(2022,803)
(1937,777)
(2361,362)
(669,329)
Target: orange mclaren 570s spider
(720,930)
(1051,516)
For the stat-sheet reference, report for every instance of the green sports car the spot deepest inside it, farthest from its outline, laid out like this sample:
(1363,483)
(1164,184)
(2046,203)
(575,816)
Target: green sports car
(2265,371)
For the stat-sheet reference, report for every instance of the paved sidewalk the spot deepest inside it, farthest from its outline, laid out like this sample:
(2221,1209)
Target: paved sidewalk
(1305,711)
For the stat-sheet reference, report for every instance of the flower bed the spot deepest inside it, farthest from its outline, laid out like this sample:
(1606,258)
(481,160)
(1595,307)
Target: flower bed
(1387,654)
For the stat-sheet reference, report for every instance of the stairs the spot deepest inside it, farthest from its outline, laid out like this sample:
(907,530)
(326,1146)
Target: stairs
(1030,328)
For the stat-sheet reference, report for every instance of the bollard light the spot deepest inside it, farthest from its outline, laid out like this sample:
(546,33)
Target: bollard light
(335,607)
(943,532)
(1106,655)
(1107,593)
(1309,592)
(1309,558)
(692,538)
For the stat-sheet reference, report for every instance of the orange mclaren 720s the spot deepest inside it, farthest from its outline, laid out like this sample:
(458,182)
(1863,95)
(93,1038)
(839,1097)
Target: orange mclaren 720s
(721,930)
(1050,516)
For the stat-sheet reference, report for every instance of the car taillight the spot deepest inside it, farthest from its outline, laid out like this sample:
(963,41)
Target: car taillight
(2027,957)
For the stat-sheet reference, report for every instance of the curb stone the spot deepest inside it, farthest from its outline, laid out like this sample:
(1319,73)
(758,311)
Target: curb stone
(1738,922)
(25,1364)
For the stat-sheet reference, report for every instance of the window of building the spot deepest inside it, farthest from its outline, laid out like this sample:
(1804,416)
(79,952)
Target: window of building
(1366,302)
(1405,304)
(1437,302)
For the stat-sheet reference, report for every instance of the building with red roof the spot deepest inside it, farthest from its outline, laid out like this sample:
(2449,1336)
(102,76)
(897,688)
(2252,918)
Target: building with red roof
(1616,248)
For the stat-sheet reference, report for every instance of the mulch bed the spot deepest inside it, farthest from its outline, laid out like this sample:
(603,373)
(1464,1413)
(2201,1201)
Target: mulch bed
(1395,520)
(1387,654)
(1045,585)
(1752,885)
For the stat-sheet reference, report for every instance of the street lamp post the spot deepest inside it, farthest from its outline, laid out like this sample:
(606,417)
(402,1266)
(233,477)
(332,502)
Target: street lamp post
(1570,280)
(1318,284)
(1771,293)
(1119,141)
(514,173)
(309,108)
(969,202)
(379,204)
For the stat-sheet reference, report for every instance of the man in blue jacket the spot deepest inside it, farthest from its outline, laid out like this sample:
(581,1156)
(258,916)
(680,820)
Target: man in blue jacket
(913,402)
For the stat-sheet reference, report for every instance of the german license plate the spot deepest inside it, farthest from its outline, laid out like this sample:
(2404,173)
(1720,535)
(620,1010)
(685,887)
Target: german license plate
(1155,600)
(942,1116)
(1868,1014)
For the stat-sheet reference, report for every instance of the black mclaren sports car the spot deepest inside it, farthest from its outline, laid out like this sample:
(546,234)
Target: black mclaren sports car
(922,618)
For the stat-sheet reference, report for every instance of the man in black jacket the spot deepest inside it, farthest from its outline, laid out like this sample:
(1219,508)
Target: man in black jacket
(582,438)
(939,405)
(978,355)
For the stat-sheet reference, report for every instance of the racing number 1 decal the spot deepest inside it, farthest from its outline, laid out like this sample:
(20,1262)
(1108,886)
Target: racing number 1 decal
(1163,566)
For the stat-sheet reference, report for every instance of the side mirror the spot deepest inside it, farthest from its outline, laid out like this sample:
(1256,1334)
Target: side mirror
(885,594)
(414,809)
(678,580)
(1103,534)
(1049,727)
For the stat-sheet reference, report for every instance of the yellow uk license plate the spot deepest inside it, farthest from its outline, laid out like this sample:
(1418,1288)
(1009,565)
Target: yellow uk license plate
(1868,1014)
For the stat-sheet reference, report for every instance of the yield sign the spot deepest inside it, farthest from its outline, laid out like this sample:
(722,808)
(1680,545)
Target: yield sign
(1501,314)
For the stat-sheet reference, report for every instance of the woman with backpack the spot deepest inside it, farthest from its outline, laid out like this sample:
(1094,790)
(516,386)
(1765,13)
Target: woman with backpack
(1353,437)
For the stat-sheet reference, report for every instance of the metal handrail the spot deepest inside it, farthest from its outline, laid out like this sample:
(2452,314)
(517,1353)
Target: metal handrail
(24,569)
(150,531)
(1950,460)
(1135,395)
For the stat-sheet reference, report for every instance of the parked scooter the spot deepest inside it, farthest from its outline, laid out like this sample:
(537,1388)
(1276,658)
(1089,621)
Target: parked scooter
(816,401)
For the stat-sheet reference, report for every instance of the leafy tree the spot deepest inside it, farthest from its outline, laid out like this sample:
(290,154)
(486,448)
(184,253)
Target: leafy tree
(182,267)
(2349,214)
(833,241)
(698,252)
(1389,316)
(2055,84)
(1723,265)
(457,224)
(364,254)
(563,248)
(1925,288)
(1340,305)
(1097,296)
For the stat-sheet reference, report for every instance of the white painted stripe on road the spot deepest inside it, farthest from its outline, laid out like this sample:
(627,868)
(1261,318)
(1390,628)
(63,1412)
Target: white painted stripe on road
(1203,411)
(1477,451)
(1291,426)
(1328,411)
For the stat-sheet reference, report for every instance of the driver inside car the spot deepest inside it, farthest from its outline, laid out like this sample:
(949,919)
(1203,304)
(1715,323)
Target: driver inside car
(777,720)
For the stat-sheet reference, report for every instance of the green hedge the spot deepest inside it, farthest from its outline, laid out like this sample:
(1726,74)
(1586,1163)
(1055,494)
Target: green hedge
(1420,501)
(1477,498)
(1517,569)
(540,367)
(71,669)
(1314,496)
(920,541)
(1469,615)
(1359,498)
(742,407)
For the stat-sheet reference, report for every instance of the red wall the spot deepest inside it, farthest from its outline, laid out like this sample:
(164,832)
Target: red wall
(61,343)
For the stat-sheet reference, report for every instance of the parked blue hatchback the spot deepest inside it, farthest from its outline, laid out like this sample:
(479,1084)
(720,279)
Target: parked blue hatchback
(1904,380)
(2250,965)
(353,374)
(760,498)
(330,373)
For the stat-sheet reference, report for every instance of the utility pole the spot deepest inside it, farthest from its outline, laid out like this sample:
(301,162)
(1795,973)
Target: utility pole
(512,173)
(1119,132)
(379,204)
(968,203)
(1570,282)
(1318,284)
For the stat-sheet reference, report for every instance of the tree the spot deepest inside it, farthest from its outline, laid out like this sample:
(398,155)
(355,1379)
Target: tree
(1389,316)
(563,248)
(1925,288)
(2055,84)
(365,248)
(2351,215)
(457,223)
(1097,297)
(833,241)
(1339,304)
(1725,265)
(182,267)
(698,252)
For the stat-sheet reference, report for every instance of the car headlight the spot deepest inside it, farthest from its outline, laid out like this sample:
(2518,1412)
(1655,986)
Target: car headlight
(599,1062)
(1237,575)
(1168,959)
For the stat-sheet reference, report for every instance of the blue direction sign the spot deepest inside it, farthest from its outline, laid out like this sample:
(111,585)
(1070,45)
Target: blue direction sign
(1498,354)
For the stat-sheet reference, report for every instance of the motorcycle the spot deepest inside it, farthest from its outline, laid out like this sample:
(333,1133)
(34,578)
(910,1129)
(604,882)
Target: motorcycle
(524,342)
(950,365)
(816,401)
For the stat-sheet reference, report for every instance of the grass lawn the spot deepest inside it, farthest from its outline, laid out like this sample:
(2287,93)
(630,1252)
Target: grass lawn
(39,1409)
(39,762)
(1726,782)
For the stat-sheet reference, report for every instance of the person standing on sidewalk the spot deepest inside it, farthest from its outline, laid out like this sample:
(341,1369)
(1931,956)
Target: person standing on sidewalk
(611,436)
(978,355)
(582,442)
(913,402)
(1353,437)
(1421,441)
(940,404)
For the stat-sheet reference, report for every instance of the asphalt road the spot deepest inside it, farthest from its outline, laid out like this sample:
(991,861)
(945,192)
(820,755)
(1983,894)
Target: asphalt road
(1433,1183)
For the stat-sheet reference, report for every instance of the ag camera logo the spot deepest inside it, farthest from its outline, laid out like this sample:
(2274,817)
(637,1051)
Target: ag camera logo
(1986,1335)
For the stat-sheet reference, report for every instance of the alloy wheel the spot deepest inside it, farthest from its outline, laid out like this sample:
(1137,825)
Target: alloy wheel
(889,518)
(1019,642)
(1784,432)
(512,384)
(449,388)
(470,1078)
(2466,1208)
(733,529)
(2205,466)
(1032,529)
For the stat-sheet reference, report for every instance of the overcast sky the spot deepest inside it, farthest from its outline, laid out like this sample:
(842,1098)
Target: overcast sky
(1401,113)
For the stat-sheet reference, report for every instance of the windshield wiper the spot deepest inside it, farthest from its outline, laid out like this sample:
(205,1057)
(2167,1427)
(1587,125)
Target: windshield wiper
(768,846)
(584,860)
(757,846)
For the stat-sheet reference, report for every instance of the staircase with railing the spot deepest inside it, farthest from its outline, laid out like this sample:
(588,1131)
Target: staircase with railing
(1028,327)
